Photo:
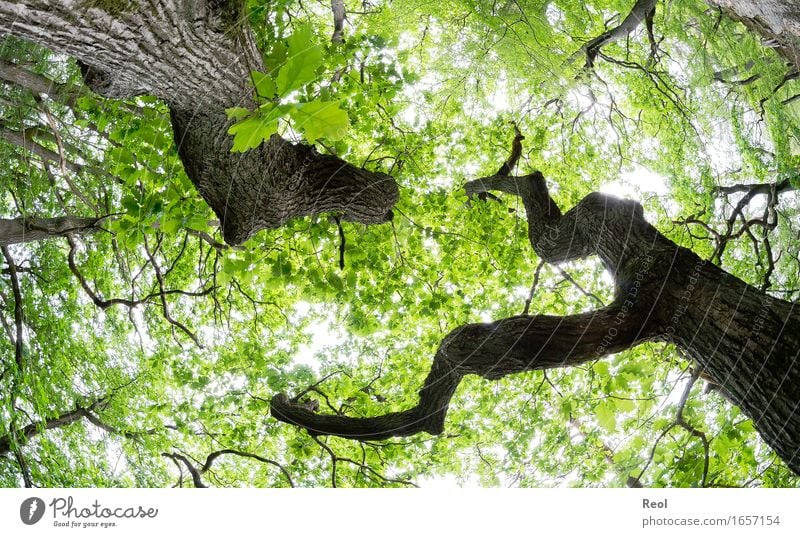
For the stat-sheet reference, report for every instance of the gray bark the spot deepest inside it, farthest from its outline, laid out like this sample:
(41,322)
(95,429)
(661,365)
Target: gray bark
(746,341)
(19,230)
(196,56)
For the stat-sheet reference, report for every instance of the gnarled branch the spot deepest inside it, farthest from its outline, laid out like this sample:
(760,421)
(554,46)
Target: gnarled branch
(746,341)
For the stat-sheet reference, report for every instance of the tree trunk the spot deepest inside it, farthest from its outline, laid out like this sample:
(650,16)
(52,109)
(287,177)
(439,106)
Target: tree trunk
(196,56)
(745,340)
(19,230)
(777,21)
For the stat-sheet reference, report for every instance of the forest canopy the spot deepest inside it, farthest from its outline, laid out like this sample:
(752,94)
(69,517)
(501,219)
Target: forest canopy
(187,233)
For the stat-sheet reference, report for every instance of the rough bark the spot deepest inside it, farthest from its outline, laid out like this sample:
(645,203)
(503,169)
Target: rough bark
(196,56)
(19,230)
(777,21)
(746,341)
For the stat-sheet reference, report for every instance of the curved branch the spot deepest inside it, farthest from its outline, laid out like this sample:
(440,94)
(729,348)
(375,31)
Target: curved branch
(163,296)
(196,479)
(428,416)
(548,232)
(745,340)
(129,303)
(523,343)
(490,350)
(754,189)
(213,456)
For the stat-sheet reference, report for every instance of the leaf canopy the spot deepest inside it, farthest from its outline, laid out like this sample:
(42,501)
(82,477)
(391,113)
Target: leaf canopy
(427,93)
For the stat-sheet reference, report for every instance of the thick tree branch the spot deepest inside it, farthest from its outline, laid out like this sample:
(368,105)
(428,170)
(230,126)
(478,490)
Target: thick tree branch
(746,341)
(427,416)
(23,466)
(29,229)
(755,189)
(492,351)
(775,21)
(515,344)
(38,84)
(642,11)
(513,157)
(197,472)
(193,471)
(199,76)
(554,238)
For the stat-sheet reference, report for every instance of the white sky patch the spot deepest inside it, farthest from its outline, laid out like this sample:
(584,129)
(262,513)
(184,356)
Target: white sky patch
(607,279)
(116,458)
(581,100)
(499,100)
(722,151)
(676,61)
(431,246)
(554,15)
(409,115)
(634,182)
(323,335)
(646,181)
(486,316)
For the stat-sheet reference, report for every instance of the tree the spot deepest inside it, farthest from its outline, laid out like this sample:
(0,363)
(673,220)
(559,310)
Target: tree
(149,352)
(744,340)
(261,189)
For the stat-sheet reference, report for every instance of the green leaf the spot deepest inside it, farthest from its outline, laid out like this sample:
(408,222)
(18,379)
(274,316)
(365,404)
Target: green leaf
(249,133)
(264,85)
(606,416)
(237,112)
(320,119)
(624,405)
(304,58)
(276,57)
(130,205)
(170,225)
(197,222)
